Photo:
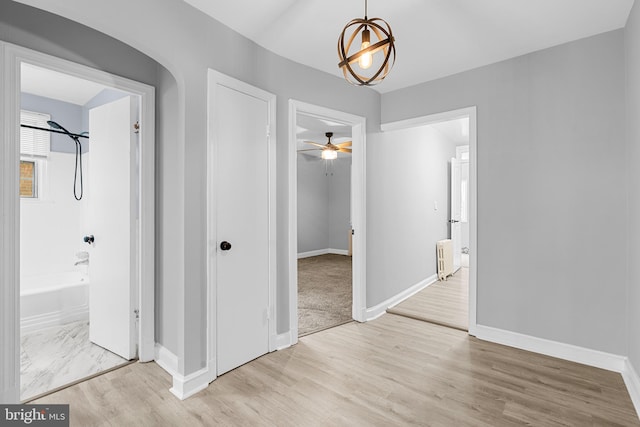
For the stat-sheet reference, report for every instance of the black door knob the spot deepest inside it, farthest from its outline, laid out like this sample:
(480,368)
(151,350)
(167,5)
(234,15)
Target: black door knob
(88,239)
(225,246)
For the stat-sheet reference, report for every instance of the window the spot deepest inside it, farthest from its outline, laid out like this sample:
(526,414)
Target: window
(34,148)
(28,179)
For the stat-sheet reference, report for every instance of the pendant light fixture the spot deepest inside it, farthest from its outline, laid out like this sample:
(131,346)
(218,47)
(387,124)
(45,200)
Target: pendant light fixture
(357,65)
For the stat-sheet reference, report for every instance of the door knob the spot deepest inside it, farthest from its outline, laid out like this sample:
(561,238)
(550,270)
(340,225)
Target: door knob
(453,221)
(225,246)
(88,239)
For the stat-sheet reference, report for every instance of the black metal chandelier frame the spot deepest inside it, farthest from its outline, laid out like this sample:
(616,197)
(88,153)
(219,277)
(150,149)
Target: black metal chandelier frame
(386,43)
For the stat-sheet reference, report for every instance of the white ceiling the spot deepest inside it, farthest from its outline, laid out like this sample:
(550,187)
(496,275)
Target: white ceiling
(55,85)
(434,38)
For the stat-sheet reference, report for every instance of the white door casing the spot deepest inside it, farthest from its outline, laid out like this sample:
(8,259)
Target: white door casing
(358,211)
(471,113)
(456,213)
(11,58)
(242,213)
(112,222)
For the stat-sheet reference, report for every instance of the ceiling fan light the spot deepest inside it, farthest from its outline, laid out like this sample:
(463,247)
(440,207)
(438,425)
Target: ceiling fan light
(329,154)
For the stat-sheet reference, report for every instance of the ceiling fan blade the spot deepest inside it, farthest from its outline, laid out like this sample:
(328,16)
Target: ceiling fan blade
(314,143)
(344,144)
(311,149)
(344,150)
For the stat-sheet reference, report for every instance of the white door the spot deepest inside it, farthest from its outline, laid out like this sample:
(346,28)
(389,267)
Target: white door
(111,220)
(456,213)
(242,226)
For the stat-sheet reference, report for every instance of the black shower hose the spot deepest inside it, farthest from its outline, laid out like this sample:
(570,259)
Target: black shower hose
(75,174)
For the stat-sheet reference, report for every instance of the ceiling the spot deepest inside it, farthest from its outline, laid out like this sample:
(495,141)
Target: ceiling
(55,85)
(434,38)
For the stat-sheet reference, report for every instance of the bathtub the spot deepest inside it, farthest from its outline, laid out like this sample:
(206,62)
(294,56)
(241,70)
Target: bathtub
(53,300)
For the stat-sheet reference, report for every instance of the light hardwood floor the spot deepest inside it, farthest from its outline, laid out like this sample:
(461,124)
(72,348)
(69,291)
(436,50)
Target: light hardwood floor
(444,302)
(390,371)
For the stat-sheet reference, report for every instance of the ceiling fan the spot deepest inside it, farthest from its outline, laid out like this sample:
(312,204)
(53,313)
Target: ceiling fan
(329,150)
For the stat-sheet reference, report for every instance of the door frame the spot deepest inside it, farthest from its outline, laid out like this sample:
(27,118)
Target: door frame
(471,113)
(358,208)
(216,78)
(11,57)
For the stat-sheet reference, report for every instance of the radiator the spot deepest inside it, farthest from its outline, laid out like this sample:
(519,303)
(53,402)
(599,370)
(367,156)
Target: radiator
(445,259)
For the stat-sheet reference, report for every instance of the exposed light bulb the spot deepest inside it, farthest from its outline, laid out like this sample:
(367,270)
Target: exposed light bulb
(329,154)
(365,60)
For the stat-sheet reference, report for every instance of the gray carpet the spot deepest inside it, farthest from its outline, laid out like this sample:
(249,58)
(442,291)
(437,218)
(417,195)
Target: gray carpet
(324,292)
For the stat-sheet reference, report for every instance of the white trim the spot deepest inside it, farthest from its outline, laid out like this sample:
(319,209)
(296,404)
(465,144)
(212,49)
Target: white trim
(428,120)
(471,113)
(214,79)
(12,57)
(319,252)
(186,386)
(358,207)
(283,341)
(572,353)
(183,386)
(632,381)
(380,309)
(42,321)
(166,360)
(9,233)
(585,356)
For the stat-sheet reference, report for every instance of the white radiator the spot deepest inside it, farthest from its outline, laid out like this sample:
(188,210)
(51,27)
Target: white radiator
(445,258)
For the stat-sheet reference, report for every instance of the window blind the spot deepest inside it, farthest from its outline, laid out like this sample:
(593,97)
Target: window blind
(34,142)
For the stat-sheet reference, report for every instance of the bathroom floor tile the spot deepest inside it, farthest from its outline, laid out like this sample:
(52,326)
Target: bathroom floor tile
(60,355)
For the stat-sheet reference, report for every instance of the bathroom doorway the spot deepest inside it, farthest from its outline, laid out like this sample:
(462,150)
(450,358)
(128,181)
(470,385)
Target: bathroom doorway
(85,159)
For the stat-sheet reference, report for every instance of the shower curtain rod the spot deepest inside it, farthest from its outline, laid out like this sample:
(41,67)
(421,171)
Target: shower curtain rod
(55,131)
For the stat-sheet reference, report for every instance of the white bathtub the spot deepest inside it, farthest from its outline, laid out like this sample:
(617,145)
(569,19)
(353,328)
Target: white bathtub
(53,300)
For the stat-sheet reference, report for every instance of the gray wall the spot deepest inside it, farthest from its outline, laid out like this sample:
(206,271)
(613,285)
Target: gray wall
(551,188)
(66,114)
(324,203)
(313,206)
(407,171)
(184,47)
(632,45)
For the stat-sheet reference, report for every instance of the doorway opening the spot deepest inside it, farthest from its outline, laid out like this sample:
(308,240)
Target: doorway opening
(325,274)
(451,300)
(84,152)
(326,219)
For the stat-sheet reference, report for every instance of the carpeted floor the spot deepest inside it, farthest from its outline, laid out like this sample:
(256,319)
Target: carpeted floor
(324,292)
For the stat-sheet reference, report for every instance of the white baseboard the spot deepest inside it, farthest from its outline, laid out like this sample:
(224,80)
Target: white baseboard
(183,386)
(282,341)
(323,252)
(42,321)
(380,309)
(572,353)
(585,356)
(166,360)
(632,381)
(187,386)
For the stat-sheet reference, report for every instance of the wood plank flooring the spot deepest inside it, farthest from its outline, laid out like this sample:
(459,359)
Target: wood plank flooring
(443,303)
(390,371)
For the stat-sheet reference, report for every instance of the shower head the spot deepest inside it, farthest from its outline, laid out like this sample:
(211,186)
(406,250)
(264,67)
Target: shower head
(56,125)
